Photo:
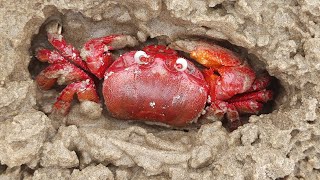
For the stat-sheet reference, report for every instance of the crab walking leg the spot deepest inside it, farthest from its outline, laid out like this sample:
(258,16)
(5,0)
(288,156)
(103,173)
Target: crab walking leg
(233,117)
(232,81)
(248,106)
(96,52)
(260,96)
(46,55)
(67,50)
(85,90)
(217,109)
(212,79)
(260,83)
(63,73)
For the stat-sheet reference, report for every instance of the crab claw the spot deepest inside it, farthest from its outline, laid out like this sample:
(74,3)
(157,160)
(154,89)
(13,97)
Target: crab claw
(234,88)
(96,52)
(207,54)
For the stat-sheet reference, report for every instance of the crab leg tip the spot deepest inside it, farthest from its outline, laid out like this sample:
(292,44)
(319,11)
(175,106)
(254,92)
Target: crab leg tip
(54,27)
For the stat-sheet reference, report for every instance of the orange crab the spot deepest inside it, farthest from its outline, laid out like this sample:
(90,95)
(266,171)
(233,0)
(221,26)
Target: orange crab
(154,84)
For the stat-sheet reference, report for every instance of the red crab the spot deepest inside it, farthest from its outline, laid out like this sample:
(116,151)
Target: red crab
(154,84)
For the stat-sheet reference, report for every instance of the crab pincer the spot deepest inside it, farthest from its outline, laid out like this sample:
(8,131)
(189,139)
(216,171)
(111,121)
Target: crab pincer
(234,87)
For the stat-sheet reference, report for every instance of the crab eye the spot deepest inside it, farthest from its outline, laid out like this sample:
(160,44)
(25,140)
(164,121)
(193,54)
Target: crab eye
(181,64)
(139,56)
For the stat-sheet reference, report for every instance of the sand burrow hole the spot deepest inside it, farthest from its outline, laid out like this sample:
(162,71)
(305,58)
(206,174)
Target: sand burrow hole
(78,29)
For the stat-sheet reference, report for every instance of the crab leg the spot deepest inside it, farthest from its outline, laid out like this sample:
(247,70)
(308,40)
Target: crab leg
(85,90)
(46,55)
(232,81)
(96,52)
(218,109)
(63,73)
(248,106)
(260,83)
(67,50)
(233,117)
(260,96)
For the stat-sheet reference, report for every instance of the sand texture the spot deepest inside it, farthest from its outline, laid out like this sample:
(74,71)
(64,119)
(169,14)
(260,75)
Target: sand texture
(282,37)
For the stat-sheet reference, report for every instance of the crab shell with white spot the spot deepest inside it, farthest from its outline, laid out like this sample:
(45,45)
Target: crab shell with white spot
(155,85)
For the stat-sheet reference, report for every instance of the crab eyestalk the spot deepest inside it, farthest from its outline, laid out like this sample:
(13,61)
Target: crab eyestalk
(181,64)
(140,57)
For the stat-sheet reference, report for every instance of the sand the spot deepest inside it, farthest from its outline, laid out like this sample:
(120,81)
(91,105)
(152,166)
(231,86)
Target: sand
(282,37)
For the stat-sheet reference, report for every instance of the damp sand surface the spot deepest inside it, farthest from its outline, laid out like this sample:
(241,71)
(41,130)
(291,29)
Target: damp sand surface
(281,37)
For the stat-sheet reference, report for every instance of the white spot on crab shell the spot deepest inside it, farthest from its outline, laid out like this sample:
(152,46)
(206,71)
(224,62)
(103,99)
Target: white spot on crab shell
(203,112)
(176,99)
(137,71)
(152,104)
(201,89)
(108,74)
(101,60)
(209,99)
(126,69)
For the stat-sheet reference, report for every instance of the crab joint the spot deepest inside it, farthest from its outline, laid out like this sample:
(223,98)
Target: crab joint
(139,56)
(181,64)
